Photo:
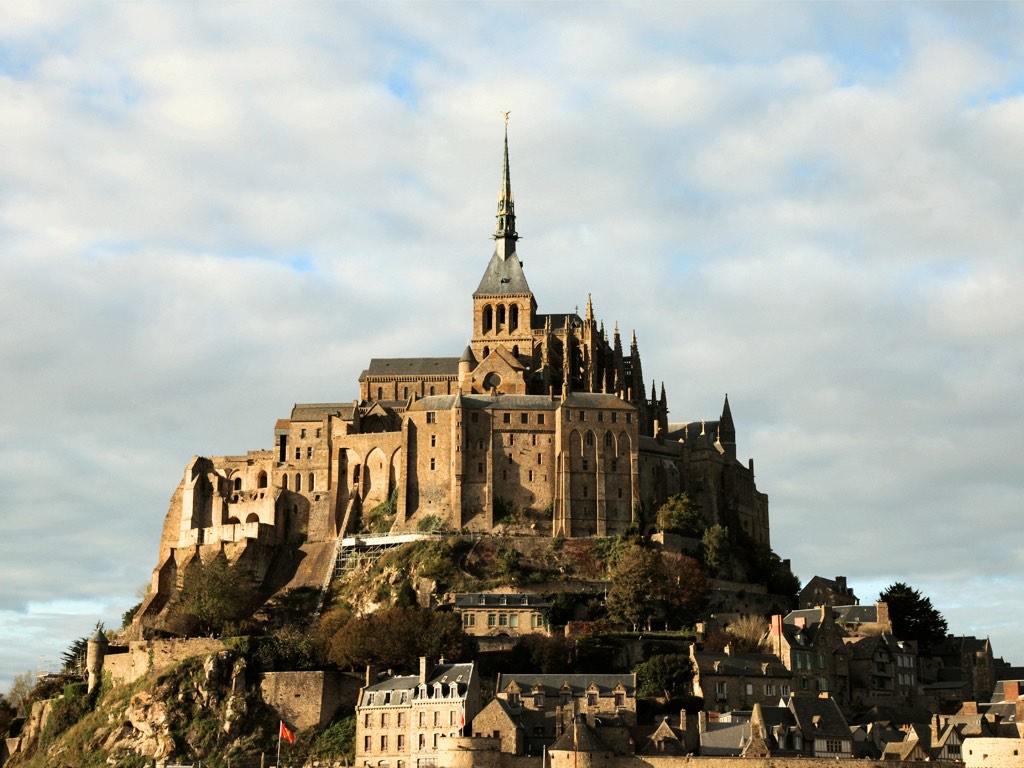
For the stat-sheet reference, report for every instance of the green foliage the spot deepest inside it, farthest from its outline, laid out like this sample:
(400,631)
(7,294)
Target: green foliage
(539,653)
(382,517)
(505,512)
(913,616)
(213,595)
(664,675)
(574,606)
(396,637)
(288,649)
(637,581)
(67,710)
(681,515)
(717,551)
(430,524)
(337,741)
(128,616)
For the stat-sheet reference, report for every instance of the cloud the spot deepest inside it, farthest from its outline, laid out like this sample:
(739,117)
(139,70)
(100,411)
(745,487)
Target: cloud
(209,214)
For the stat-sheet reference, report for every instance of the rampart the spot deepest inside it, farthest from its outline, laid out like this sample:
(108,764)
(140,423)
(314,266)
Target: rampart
(308,699)
(126,664)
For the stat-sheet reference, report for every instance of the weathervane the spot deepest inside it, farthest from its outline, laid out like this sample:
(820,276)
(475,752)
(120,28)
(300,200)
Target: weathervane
(506,114)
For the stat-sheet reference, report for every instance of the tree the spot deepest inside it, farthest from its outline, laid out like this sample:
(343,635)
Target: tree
(21,688)
(913,616)
(747,632)
(666,675)
(686,588)
(213,595)
(637,586)
(717,551)
(681,515)
(396,637)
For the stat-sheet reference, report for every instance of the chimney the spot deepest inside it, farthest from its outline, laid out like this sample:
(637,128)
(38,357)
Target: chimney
(425,669)
(371,674)
(1011,690)
(826,614)
(969,708)
(882,617)
(841,581)
(777,625)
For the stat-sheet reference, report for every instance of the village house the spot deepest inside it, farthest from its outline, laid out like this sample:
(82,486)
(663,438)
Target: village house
(800,725)
(493,614)
(728,680)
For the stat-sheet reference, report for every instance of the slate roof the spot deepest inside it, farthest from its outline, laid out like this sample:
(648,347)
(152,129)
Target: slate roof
(317,411)
(442,673)
(596,400)
(832,724)
(724,738)
(747,664)
(411,366)
(557,320)
(688,433)
(578,683)
(579,737)
(503,276)
(842,614)
(488,599)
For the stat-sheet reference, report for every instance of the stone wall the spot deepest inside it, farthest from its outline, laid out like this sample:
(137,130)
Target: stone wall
(464,753)
(993,753)
(308,699)
(144,656)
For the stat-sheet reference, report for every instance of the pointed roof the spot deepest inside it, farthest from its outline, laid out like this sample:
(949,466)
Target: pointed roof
(503,276)
(506,228)
(467,355)
(579,738)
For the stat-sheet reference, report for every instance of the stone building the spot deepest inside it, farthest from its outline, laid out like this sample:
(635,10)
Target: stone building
(492,614)
(737,681)
(545,418)
(402,721)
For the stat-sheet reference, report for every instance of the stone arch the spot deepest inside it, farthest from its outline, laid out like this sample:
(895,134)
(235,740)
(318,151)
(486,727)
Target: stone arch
(238,482)
(376,478)
(513,317)
(234,521)
(262,480)
(487,321)
(252,517)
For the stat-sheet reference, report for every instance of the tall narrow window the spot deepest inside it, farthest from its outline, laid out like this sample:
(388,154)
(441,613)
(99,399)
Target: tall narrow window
(298,482)
(380,393)
(513,317)
(488,319)
(311,481)
(500,322)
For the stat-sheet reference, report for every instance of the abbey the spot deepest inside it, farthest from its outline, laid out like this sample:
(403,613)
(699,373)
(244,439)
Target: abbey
(543,424)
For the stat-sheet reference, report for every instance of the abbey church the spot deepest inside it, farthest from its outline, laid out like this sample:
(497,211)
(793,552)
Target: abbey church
(543,418)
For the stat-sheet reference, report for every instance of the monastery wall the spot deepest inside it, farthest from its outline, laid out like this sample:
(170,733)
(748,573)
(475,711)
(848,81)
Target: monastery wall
(144,656)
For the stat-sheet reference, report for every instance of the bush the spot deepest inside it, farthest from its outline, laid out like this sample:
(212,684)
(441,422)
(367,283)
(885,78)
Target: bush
(337,741)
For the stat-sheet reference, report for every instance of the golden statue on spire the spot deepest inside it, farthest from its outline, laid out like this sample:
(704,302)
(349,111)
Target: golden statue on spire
(505,115)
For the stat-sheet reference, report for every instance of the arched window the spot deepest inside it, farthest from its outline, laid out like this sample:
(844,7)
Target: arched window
(284,482)
(501,316)
(252,518)
(405,393)
(311,481)
(380,393)
(515,351)
(487,351)
(488,319)
(298,482)
(431,390)
(263,480)
(513,317)
(238,483)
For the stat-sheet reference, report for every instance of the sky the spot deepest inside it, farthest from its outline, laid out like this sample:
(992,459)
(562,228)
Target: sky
(211,211)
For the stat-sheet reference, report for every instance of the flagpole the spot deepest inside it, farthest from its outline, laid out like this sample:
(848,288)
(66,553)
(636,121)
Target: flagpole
(279,724)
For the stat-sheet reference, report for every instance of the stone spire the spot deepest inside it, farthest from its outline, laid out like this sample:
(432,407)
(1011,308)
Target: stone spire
(727,430)
(505,233)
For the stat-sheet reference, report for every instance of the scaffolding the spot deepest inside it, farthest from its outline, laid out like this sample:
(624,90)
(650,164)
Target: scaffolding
(357,551)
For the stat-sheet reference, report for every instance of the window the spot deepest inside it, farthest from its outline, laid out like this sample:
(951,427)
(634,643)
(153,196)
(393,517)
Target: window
(380,393)
(590,438)
(238,483)
(423,738)
(284,482)
(615,417)
(530,475)
(401,717)
(298,482)
(437,721)
(435,741)
(614,464)
(401,743)
(312,480)
(503,620)
(366,720)
(506,418)
(492,619)
(563,698)
(318,430)
(262,481)
(384,718)
(431,417)
(298,452)
(586,465)
(433,441)
(538,700)
(513,620)
(600,415)
(469,620)
(620,493)
(620,699)
(302,433)
(479,467)
(540,418)
(568,415)
(721,690)
(431,391)
(833,745)
(432,465)
(480,444)
(474,417)
(803,683)
(367,744)
(583,415)
(422,721)
(511,439)
(540,458)
(607,439)
(629,418)
(783,690)
(769,689)
(591,699)
(309,451)
(750,689)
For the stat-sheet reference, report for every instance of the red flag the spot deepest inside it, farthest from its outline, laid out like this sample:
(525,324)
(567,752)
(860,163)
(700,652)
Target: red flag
(287,734)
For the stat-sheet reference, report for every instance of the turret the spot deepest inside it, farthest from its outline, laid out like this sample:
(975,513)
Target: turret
(95,651)
(466,363)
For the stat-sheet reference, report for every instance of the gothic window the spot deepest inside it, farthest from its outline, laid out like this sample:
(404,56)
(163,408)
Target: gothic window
(433,441)
(480,468)
(488,319)
(432,465)
(590,438)
(608,439)
(487,351)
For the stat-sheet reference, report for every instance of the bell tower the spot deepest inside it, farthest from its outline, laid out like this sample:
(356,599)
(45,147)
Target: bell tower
(504,308)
